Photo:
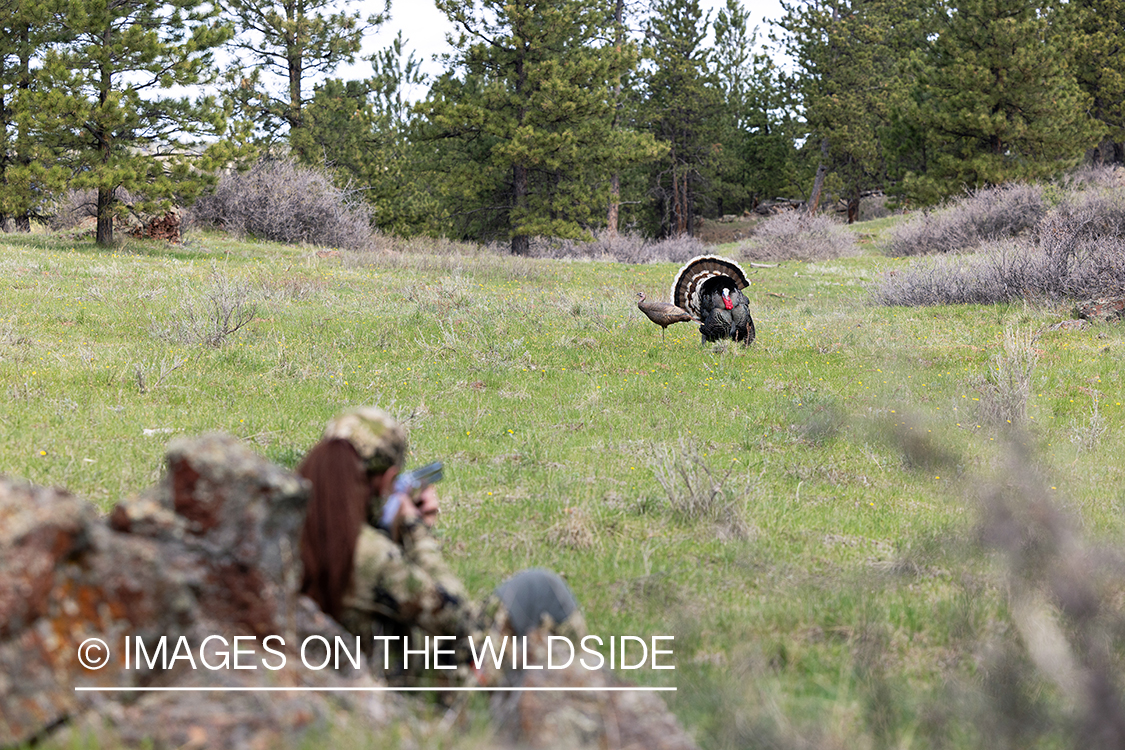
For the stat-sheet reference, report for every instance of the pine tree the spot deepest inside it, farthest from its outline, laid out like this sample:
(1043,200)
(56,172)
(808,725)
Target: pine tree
(851,79)
(363,130)
(522,124)
(756,149)
(999,100)
(100,108)
(26,29)
(1098,49)
(682,101)
(292,43)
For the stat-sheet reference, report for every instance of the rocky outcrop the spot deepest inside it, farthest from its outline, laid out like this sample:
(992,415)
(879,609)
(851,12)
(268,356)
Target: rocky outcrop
(579,719)
(1104,310)
(211,550)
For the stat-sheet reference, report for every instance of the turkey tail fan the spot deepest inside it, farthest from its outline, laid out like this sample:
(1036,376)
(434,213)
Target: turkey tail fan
(692,279)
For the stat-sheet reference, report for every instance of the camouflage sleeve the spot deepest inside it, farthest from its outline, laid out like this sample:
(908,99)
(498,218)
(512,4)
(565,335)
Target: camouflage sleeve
(411,583)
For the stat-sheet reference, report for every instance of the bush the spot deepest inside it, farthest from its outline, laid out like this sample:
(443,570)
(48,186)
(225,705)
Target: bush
(1007,272)
(286,202)
(623,248)
(1077,251)
(989,214)
(795,235)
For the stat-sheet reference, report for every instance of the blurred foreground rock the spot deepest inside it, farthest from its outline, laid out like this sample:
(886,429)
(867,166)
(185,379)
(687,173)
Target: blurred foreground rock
(622,720)
(212,550)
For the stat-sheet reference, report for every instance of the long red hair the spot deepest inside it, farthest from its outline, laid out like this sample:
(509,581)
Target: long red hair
(336,513)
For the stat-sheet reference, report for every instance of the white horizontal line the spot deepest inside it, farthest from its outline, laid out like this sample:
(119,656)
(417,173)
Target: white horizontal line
(367,689)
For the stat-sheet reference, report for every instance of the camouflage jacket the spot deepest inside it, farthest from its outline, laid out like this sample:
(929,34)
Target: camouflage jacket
(409,585)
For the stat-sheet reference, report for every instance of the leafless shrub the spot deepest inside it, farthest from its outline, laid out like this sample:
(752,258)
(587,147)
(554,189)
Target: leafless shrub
(623,248)
(1087,435)
(678,249)
(1008,385)
(1047,268)
(981,216)
(697,492)
(209,319)
(286,202)
(796,236)
(1095,177)
(151,375)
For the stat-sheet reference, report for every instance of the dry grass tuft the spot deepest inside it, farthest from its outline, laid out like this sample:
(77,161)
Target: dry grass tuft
(697,492)
(1008,384)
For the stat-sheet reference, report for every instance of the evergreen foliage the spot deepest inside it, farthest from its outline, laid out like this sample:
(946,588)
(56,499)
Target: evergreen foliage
(522,123)
(557,118)
(363,130)
(25,28)
(1098,46)
(293,42)
(101,110)
(756,157)
(682,99)
(851,79)
(998,99)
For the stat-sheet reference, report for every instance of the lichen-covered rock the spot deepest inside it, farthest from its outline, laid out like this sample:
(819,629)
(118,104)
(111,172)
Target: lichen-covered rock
(578,719)
(1104,310)
(209,550)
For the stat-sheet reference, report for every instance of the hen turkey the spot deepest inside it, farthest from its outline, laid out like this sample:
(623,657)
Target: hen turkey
(662,313)
(710,289)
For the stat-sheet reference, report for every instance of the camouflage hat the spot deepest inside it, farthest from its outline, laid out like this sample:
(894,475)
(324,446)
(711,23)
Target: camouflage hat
(377,437)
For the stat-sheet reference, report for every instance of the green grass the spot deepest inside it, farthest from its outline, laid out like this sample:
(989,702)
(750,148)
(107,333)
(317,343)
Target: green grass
(837,605)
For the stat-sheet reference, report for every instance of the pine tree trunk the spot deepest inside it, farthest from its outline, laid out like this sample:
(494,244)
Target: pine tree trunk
(521,243)
(105,217)
(23,146)
(615,179)
(614,205)
(818,182)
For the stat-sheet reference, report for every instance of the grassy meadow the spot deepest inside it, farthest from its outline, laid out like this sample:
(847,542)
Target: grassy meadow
(801,515)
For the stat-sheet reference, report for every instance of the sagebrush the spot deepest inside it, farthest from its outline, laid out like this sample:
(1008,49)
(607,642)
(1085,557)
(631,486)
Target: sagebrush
(795,235)
(1077,251)
(283,201)
(981,216)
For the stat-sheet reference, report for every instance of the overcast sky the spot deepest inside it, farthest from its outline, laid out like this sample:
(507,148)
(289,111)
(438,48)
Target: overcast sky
(424,28)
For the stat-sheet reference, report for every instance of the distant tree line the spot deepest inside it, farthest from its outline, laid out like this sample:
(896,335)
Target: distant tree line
(557,117)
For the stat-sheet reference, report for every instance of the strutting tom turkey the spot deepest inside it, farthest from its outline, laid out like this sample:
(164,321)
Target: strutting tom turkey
(710,289)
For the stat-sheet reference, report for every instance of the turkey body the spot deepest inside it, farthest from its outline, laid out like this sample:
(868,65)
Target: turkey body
(662,313)
(710,288)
